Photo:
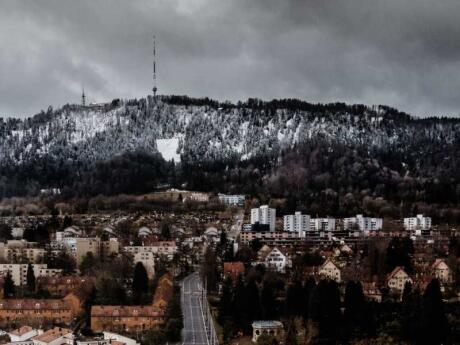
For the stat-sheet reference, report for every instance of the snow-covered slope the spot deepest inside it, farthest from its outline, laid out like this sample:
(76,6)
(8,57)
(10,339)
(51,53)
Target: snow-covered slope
(192,131)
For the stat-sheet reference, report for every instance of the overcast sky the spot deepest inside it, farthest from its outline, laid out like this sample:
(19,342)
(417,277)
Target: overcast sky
(403,53)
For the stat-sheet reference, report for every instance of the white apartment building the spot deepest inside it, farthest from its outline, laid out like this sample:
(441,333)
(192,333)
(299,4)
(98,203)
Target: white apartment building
(264,215)
(148,260)
(362,223)
(19,272)
(163,248)
(322,224)
(298,223)
(417,223)
(235,199)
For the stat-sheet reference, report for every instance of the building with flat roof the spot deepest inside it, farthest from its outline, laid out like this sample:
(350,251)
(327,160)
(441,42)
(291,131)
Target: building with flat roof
(264,215)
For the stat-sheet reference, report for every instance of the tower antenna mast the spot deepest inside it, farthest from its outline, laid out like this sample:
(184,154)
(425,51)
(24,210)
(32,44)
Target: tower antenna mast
(83,97)
(154,72)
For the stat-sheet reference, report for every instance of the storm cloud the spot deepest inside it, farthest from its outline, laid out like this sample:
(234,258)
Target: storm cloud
(402,53)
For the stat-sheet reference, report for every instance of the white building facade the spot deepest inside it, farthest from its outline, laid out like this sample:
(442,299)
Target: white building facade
(362,223)
(235,199)
(298,223)
(322,224)
(264,215)
(417,223)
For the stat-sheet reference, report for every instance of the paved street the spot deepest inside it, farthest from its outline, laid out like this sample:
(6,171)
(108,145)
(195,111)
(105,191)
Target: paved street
(194,327)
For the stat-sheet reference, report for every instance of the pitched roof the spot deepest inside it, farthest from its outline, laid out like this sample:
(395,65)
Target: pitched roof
(21,330)
(395,271)
(34,304)
(52,334)
(237,266)
(125,311)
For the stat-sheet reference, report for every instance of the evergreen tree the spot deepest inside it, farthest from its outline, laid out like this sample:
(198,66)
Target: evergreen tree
(293,302)
(226,301)
(30,278)
(140,283)
(268,301)
(240,304)
(165,231)
(8,286)
(354,304)
(254,308)
(434,326)
(325,309)
(5,232)
(410,312)
(291,334)
(308,289)
(88,264)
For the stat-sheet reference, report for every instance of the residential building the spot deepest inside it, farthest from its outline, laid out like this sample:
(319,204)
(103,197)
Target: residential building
(148,260)
(15,251)
(271,238)
(441,271)
(330,270)
(19,272)
(264,215)
(108,338)
(364,224)
(277,260)
(298,223)
(22,333)
(54,336)
(233,269)
(121,318)
(36,312)
(417,223)
(274,328)
(397,279)
(235,199)
(131,318)
(63,285)
(94,245)
(160,248)
(322,224)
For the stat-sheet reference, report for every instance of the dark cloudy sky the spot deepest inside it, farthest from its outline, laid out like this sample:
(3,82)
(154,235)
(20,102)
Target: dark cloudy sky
(404,53)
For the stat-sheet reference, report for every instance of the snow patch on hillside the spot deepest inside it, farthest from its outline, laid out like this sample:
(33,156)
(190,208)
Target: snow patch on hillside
(168,149)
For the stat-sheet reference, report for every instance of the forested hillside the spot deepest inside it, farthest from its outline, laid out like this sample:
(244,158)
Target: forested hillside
(331,158)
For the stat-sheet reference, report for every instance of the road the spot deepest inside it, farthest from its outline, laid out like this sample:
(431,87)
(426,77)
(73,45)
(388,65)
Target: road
(194,331)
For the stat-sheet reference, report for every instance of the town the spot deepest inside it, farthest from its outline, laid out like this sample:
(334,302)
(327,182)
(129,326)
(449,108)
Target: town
(137,278)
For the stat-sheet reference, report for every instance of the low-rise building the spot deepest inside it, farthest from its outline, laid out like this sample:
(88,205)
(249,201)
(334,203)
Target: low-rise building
(330,270)
(277,260)
(160,248)
(441,271)
(397,279)
(22,333)
(54,336)
(235,199)
(148,260)
(273,328)
(119,318)
(233,269)
(19,272)
(37,312)
(63,285)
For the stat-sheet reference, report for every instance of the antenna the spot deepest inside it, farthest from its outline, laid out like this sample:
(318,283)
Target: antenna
(83,97)
(154,72)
